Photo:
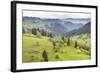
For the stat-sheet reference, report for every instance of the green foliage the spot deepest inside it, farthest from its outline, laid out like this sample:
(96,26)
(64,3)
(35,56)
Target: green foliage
(83,41)
(56,50)
(57,57)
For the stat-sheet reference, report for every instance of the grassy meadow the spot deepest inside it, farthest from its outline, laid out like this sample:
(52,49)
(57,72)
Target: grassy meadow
(38,48)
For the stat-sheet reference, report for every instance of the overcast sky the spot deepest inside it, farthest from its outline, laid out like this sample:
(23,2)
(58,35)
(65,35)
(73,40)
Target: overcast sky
(61,15)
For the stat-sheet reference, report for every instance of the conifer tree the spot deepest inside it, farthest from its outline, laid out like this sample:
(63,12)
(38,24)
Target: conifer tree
(75,44)
(68,42)
(45,56)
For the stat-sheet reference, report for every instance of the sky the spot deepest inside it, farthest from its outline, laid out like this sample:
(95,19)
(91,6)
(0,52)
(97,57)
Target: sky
(50,14)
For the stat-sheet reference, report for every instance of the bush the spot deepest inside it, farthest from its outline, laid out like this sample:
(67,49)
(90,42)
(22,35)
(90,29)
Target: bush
(56,50)
(62,52)
(57,57)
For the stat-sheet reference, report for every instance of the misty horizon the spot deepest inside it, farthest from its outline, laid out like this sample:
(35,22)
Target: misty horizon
(56,15)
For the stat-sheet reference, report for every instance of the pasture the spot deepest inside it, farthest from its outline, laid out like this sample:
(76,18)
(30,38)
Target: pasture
(33,48)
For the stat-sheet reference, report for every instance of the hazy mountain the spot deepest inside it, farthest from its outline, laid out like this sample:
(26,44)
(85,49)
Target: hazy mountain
(55,26)
(78,20)
(70,25)
(85,29)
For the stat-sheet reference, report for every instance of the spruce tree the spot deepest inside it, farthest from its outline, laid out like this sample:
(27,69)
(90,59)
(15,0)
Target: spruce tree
(68,41)
(44,55)
(63,38)
(75,44)
(34,31)
(50,35)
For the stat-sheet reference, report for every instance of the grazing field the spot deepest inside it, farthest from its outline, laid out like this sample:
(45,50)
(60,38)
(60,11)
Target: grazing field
(40,49)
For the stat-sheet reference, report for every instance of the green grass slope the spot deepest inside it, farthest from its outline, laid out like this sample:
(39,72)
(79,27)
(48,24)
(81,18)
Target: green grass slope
(33,48)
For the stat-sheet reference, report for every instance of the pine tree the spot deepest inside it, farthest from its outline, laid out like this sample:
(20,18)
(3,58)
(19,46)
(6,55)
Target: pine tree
(38,29)
(43,32)
(75,44)
(50,35)
(68,42)
(63,38)
(44,55)
(34,31)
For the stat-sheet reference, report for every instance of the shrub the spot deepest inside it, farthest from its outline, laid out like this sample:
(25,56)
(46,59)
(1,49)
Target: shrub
(57,57)
(56,50)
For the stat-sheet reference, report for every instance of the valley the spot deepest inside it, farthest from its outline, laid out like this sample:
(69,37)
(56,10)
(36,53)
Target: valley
(55,39)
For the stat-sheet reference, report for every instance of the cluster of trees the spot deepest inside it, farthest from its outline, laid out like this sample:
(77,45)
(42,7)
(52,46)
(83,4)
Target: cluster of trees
(76,44)
(69,42)
(62,41)
(41,32)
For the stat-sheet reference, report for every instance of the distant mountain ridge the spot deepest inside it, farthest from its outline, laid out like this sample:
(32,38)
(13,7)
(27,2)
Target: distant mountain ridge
(85,29)
(55,26)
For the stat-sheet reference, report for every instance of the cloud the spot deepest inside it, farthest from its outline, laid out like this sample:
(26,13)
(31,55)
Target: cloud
(50,14)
